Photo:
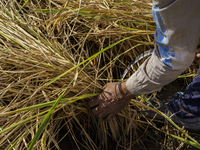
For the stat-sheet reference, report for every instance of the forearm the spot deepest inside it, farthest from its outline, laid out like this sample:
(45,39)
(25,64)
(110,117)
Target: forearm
(152,75)
(176,39)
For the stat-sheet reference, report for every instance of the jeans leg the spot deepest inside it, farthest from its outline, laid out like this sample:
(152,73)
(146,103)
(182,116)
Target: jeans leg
(187,104)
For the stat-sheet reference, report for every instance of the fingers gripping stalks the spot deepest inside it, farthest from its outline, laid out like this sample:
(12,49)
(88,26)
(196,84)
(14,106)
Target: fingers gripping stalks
(114,98)
(115,95)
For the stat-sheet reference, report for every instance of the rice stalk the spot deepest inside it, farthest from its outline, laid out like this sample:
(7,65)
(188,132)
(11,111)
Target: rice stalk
(47,46)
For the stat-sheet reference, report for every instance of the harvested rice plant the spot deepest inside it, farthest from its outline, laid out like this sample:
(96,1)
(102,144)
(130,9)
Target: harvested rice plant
(56,55)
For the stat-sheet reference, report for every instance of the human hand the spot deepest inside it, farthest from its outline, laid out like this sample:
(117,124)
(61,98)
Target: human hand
(113,99)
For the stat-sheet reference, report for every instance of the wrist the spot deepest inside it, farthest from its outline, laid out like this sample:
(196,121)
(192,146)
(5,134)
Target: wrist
(126,91)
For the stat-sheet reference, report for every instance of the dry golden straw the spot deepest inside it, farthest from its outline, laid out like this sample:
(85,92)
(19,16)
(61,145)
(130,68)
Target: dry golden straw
(39,41)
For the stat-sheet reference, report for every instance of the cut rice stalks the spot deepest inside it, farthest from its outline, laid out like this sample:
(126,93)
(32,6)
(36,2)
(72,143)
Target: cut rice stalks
(65,51)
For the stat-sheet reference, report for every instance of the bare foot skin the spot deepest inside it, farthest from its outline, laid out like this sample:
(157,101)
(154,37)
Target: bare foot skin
(113,99)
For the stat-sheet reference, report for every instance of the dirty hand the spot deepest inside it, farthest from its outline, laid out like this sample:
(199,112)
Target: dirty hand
(114,98)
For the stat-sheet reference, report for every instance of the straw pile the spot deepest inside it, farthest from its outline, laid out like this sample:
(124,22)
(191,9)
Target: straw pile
(41,40)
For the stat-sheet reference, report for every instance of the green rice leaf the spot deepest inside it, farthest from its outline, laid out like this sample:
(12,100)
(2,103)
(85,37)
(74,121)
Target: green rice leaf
(187,76)
(45,121)
(21,7)
(91,58)
(12,146)
(197,145)
(147,25)
(193,142)
(127,28)
(71,100)
(21,122)
(48,11)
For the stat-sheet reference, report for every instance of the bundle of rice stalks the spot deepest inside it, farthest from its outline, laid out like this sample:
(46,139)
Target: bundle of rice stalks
(55,56)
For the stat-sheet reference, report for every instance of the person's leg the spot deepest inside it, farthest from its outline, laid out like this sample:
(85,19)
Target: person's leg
(186,106)
(183,108)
